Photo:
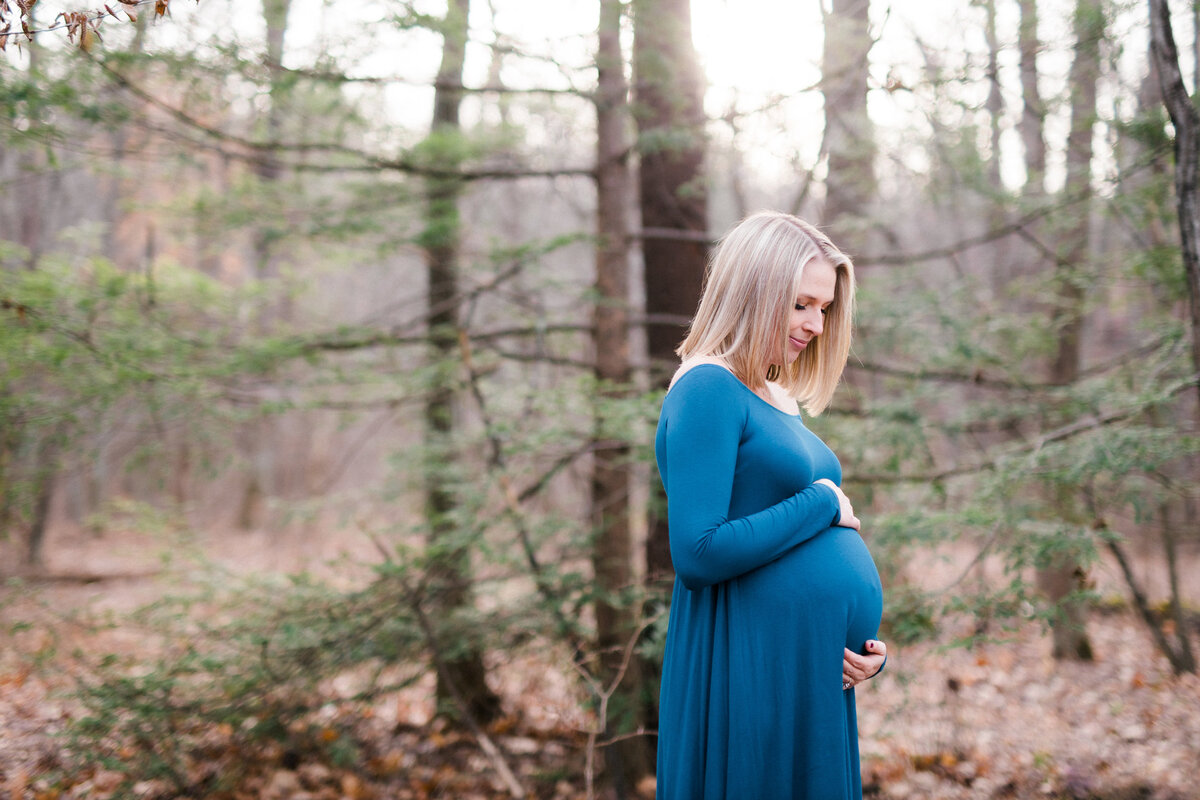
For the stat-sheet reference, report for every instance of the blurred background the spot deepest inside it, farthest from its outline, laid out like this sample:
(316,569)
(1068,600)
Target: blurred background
(333,337)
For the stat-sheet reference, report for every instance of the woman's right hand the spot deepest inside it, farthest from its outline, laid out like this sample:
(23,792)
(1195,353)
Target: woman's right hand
(846,518)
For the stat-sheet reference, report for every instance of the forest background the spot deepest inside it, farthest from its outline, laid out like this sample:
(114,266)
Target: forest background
(333,335)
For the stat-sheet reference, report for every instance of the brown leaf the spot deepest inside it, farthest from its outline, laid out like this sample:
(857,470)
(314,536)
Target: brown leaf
(18,783)
(160,7)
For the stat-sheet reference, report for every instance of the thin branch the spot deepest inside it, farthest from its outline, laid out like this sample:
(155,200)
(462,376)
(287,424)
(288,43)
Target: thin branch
(497,463)
(367,161)
(1180,661)
(605,693)
(327,76)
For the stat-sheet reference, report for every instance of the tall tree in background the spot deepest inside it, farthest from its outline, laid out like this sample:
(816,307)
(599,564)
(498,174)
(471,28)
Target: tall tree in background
(262,442)
(1064,578)
(1033,117)
(672,196)
(849,134)
(1164,57)
(612,552)
(464,676)
(40,181)
(275,15)
(1186,121)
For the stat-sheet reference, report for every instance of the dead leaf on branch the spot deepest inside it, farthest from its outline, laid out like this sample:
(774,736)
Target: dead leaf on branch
(79,23)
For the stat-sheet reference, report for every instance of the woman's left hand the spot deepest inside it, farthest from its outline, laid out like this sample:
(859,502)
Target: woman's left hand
(857,667)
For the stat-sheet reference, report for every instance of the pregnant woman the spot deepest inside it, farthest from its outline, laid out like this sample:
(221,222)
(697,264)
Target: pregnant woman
(776,601)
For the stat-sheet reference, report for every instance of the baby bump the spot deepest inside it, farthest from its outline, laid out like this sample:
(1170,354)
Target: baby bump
(830,581)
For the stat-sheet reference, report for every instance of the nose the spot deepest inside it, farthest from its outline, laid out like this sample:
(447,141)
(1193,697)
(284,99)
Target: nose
(814,322)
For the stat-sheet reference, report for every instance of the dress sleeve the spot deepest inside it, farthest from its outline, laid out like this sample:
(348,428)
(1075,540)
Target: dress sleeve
(703,429)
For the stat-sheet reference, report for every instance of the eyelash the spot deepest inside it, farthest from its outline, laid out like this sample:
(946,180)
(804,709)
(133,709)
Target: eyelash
(801,307)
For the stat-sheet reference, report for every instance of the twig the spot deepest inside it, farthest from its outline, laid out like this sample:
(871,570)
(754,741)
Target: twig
(605,693)
(497,463)
(486,744)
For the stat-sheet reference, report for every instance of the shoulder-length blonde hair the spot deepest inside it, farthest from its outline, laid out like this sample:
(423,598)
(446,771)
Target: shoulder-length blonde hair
(750,287)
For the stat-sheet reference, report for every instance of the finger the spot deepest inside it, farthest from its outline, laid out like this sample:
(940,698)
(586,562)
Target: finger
(876,647)
(852,668)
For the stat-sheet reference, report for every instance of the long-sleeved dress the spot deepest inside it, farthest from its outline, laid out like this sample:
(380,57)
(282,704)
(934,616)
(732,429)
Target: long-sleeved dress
(768,592)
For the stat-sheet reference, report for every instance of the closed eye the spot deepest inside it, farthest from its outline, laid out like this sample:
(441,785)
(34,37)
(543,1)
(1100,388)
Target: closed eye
(802,306)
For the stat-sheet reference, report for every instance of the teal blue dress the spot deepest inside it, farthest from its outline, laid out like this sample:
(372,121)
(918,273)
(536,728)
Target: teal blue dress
(768,592)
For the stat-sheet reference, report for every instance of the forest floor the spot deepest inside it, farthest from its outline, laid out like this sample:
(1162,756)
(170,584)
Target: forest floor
(1001,720)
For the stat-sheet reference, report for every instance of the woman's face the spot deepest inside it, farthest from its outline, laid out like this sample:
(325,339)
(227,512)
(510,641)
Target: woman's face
(818,285)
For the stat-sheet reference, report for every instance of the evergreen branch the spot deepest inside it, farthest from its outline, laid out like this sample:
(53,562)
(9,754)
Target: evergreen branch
(497,463)
(1063,433)
(977,378)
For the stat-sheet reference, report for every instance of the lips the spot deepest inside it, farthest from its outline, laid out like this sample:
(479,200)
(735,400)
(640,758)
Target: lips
(797,343)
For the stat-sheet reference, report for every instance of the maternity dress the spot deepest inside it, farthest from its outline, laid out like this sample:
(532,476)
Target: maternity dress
(768,592)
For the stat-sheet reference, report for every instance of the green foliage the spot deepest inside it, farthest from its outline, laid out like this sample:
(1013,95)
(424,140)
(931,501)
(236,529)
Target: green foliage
(241,669)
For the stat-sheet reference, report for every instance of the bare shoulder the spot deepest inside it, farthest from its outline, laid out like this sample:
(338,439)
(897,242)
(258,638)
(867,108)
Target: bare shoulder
(690,363)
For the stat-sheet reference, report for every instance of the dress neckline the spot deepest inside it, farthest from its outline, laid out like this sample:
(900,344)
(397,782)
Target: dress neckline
(796,416)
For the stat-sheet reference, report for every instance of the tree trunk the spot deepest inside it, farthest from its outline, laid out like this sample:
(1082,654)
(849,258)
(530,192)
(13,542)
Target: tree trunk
(451,570)
(1186,122)
(275,15)
(998,207)
(673,198)
(1033,118)
(1065,577)
(850,186)
(45,475)
(612,551)
(33,202)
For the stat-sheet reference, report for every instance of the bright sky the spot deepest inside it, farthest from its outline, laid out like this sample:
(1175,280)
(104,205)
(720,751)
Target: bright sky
(751,50)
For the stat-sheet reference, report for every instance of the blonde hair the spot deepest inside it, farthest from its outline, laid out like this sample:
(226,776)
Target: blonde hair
(750,287)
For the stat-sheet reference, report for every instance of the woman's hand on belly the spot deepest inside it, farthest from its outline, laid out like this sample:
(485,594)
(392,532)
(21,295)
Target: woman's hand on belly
(858,667)
(846,518)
